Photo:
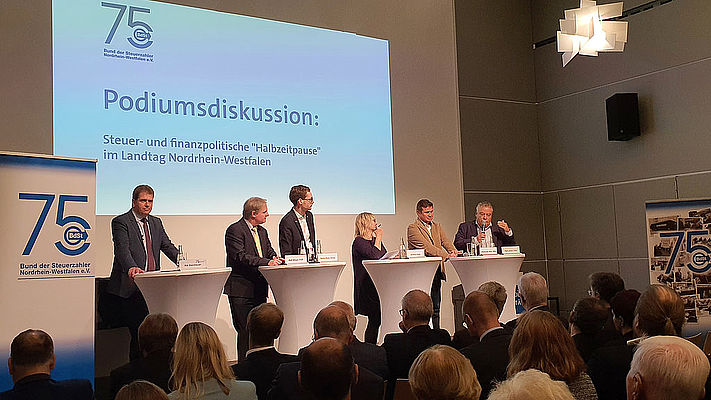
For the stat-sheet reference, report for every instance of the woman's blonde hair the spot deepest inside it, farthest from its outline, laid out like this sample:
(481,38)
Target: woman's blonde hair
(199,356)
(361,223)
(659,311)
(540,341)
(443,373)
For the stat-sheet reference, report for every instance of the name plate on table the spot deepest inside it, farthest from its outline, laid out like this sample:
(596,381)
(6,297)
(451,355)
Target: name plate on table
(488,251)
(192,264)
(510,250)
(295,259)
(417,253)
(328,257)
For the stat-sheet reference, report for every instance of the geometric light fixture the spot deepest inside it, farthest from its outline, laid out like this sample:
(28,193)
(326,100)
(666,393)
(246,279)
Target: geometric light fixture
(584,31)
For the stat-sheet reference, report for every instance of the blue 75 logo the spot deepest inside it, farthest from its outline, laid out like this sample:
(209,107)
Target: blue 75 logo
(700,254)
(141,38)
(73,235)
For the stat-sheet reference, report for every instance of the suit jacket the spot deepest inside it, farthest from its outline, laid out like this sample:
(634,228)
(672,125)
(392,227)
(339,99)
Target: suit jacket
(286,385)
(260,368)
(402,348)
(154,368)
(489,357)
(468,229)
(367,355)
(43,387)
(129,250)
(511,325)
(435,245)
(290,234)
(242,256)
(210,389)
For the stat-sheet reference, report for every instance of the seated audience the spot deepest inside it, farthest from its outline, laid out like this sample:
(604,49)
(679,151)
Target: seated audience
(327,370)
(605,285)
(489,354)
(531,384)
(156,337)
(330,322)
(264,324)
(659,311)
(141,390)
(497,294)
(442,373)
(403,348)
(587,321)
(540,341)
(623,304)
(31,361)
(366,355)
(533,291)
(667,367)
(200,369)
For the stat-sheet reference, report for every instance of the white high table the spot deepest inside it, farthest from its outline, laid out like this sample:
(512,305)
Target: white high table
(475,270)
(301,291)
(393,278)
(190,295)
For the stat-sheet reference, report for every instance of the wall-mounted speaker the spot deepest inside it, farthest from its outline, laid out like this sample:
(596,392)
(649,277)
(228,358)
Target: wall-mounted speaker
(622,116)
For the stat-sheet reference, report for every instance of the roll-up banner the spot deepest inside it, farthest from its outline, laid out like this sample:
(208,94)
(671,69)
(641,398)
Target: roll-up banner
(48,212)
(679,248)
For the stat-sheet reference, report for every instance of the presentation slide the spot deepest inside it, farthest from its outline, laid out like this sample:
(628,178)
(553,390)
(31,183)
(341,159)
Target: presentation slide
(212,108)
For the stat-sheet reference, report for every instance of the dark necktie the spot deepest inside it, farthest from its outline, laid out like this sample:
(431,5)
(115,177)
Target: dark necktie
(151,262)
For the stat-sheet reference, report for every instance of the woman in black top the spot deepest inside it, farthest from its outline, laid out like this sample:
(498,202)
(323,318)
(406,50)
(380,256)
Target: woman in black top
(367,245)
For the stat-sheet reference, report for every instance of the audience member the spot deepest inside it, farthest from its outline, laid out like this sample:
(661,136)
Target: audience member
(659,311)
(156,337)
(264,324)
(540,341)
(497,293)
(605,285)
(200,369)
(533,291)
(366,355)
(531,384)
(403,348)
(327,370)
(489,354)
(31,361)
(587,320)
(141,390)
(623,304)
(666,368)
(442,373)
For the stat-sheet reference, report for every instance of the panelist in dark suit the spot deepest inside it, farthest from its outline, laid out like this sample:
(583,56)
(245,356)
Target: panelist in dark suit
(248,247)
(489,353)
(30,364)
(297,225)
(402,348)
(132,233)
(484,231)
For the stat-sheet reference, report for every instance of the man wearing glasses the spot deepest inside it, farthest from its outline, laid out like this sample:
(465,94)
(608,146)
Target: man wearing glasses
(297,225)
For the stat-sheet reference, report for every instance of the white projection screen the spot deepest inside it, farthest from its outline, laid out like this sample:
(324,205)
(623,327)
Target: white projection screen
(201,104)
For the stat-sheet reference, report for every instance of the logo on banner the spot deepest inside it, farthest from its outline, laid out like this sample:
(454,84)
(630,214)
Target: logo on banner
(140,32)
(74,237)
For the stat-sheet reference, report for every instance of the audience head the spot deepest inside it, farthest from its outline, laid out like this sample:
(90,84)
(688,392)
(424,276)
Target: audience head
(588,316)
(666,368)
(533,290)
(540,341)
(199,356)
(443,373)
(605,285)
(332,322)
(31,352)
(531,384)
(363,224)
(497,293)
(417,309)
(141,390)
(659,311)
(623,304)
(327,369)
(264,325)
(348,309)
(157,332)
(480,313)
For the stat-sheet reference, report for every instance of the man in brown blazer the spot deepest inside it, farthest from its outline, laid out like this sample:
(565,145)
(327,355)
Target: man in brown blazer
(429,235)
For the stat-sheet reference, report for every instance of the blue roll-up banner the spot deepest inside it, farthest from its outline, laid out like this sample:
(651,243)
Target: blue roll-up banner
(679,247)
(48,212)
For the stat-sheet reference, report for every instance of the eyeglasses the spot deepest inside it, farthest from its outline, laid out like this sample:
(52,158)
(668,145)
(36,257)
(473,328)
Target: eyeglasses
(310,199)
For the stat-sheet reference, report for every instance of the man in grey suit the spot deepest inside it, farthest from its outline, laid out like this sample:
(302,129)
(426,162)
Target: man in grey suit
(133,232)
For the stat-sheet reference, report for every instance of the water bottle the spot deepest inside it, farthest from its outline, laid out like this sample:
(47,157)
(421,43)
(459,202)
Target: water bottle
(318,246)
(474,246)
(302,249)
(403,250)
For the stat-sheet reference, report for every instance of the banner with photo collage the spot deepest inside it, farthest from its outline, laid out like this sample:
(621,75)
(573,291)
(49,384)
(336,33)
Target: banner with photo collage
(679,248)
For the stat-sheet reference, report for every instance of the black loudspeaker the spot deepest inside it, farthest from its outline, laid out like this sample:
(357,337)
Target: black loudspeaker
(622,116)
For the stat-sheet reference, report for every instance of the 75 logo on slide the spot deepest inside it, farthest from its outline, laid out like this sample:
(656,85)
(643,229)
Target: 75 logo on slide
(75,235)
(142,32)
